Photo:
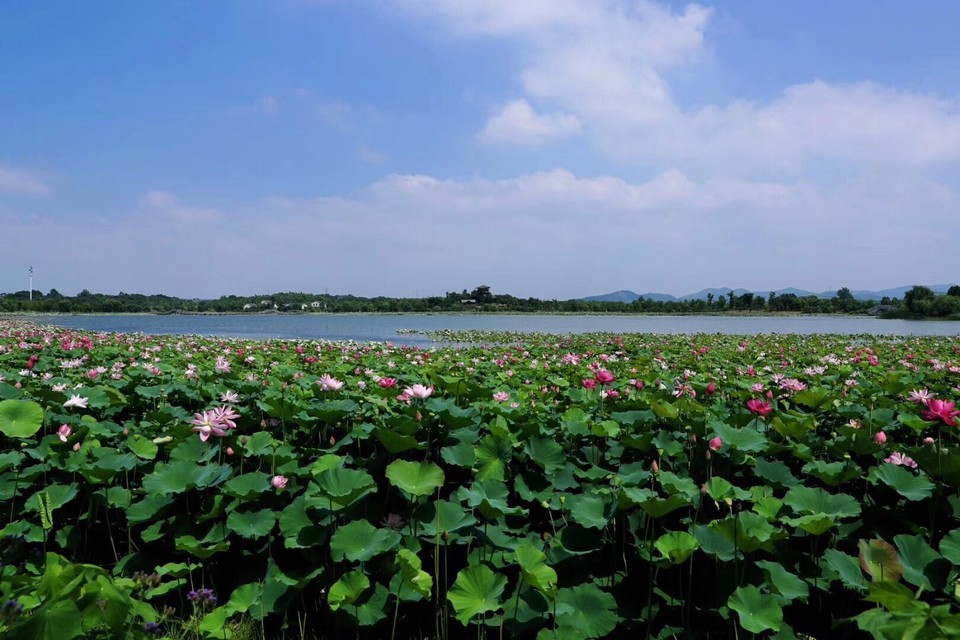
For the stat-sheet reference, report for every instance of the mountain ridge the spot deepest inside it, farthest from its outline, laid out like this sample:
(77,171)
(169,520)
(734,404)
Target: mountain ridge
(628,296)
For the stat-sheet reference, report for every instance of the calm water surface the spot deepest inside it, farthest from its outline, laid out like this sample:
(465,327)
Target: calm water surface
(375,327)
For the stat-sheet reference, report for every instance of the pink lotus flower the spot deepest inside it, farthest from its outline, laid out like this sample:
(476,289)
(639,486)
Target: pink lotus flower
(225,416)
(880,438)
(928,440)
(902,460)
(328,383)
(64,432)
(711,389)
(206,425)
(278,482)
(715,443)
(76,401)
(229,396)
(759,407)
(941,410)
(792,385)
(501,396)
(589,383)
(603,376)
(387,383)
(419,391)
(921,396)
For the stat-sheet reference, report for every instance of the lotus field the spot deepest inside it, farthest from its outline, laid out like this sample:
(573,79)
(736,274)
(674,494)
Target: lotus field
(521,486)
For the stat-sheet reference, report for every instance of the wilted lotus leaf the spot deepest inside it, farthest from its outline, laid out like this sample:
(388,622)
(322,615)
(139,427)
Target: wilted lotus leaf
(879,559)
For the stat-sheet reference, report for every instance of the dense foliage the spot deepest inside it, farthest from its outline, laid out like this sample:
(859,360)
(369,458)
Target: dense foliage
(527,487)
(479,300)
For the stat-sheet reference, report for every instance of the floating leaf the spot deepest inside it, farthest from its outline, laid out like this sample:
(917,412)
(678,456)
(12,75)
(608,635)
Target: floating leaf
(785,583)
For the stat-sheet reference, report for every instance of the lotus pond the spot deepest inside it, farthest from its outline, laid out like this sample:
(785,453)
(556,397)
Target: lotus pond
(528,486)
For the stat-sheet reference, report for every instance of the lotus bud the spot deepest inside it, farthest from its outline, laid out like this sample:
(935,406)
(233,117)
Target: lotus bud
(263,423)
(715,443)
(544,504)
(928,440)
(654,468)
(126,431)
(418,417)
(333,441)
(880,437)
(243,440)
(76,446)
(229,451)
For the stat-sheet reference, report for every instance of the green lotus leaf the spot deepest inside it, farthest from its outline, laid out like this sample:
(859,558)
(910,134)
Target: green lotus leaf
(590,511)
(659,507)
(775,472)
(783,582)
(587,611)
(847,567)
(676,546)
(476,591)
(536,573)
(757,612)
(814,501)
(919,562)
(905,482)
(359,541)
(415,478)
(950,546)
(371,607)
(339,488)
(142,447)
(347,589)
(20,418)
(148,508)
(488,497)
(879,559)
(412,573)
(745,439)
(546,454)
(493,456)
(182,475)
(248,485)
(251,524)
(299,530)
(441,516)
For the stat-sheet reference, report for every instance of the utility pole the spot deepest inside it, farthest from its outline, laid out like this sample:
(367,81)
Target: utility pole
(30,280)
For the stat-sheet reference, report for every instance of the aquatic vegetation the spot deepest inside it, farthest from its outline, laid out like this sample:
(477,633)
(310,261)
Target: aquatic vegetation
(524,486)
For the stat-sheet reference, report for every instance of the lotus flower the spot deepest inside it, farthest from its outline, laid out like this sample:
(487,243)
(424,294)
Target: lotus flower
(759,407)
(941,410)
(278,482)
(64,432)
(715,443)
(76,401)
(419,391)
(328,383)
(902,460)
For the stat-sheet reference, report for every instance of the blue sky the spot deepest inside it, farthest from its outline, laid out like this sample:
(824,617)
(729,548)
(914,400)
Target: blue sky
(549,148)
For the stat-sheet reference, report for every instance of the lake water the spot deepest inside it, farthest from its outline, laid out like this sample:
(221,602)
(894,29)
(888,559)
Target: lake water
(376,327)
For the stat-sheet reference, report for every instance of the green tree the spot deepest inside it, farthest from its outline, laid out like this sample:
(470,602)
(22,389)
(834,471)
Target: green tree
(914,299)
(844,294)
(954,291)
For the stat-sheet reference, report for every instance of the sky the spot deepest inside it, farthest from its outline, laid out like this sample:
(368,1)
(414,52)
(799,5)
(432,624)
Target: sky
(545,148)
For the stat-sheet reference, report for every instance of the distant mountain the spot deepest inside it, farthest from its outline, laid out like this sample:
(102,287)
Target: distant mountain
(625,295)
(617,296)
(859,294)
(703,293)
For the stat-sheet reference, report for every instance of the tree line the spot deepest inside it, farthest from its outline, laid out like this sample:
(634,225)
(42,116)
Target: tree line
(918,302)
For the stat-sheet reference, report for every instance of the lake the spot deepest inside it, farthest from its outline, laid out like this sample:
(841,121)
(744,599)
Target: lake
(379,327)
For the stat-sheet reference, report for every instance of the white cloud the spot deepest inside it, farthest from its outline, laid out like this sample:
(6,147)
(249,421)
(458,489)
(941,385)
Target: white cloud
(517,123)
(608,63)
(368,155)
(546,234)
(13,180)
(169,205)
